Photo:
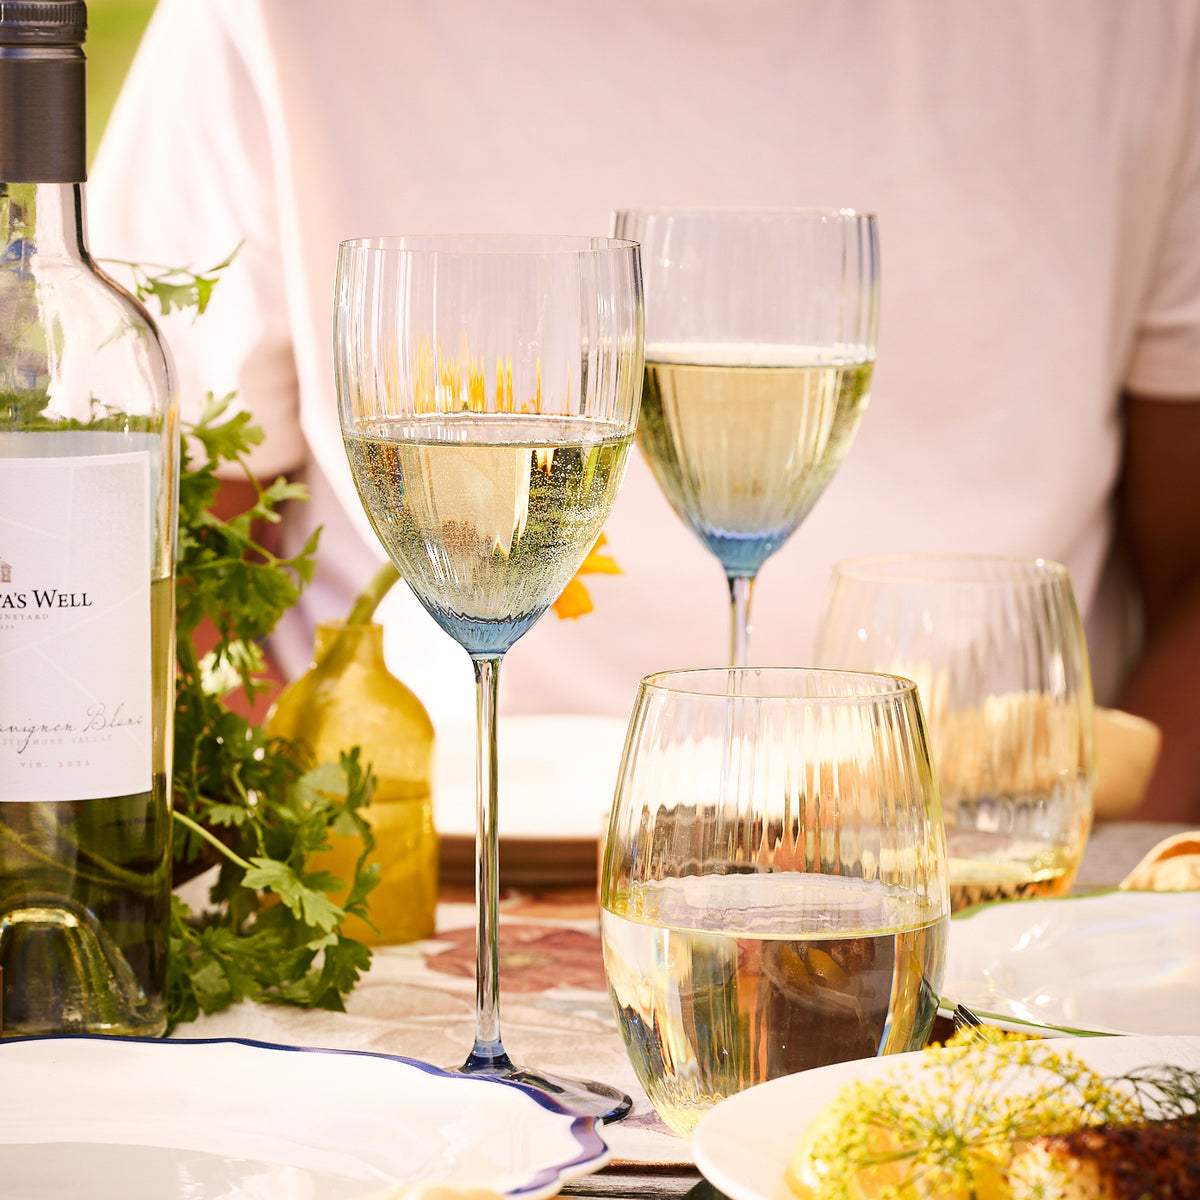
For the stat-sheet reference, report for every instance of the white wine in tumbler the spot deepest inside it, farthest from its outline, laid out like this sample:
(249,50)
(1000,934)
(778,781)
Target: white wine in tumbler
(1011,847)
(724,981)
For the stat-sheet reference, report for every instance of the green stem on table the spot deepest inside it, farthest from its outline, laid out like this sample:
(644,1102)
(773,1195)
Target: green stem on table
(201,832)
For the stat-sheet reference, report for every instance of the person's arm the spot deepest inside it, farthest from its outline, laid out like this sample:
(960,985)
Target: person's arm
(1159,512)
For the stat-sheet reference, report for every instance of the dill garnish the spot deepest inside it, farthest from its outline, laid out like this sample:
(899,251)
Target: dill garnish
(952,1132)
(1163,1092)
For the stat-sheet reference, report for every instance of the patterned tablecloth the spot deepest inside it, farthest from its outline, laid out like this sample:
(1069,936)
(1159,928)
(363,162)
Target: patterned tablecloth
(418,1000)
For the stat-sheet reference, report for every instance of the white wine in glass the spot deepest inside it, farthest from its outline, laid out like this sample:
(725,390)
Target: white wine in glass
(489,515)
(997,648)
(760,344)
(774,893)
(488,391)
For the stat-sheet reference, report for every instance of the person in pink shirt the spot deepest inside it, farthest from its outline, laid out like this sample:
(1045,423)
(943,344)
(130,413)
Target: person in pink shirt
(1036,174)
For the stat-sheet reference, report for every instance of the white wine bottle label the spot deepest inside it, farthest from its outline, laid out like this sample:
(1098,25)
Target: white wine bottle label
(75,676)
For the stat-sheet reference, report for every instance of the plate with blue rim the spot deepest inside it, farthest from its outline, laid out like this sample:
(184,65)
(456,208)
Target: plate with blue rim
(1115,962)
(226,1119)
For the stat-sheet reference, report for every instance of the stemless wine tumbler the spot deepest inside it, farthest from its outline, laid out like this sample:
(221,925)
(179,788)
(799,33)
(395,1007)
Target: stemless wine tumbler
(774,892)
(997,648)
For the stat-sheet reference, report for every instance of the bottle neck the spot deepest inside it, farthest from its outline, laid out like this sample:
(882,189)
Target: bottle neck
(43,152)
(357,643)
(42,220)
(43,128)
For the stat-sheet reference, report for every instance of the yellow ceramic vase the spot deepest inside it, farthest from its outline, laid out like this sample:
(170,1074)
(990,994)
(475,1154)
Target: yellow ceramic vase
(349,698)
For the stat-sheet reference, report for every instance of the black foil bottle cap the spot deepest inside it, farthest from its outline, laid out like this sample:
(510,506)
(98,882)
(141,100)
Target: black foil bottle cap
(43,22)
(43,133)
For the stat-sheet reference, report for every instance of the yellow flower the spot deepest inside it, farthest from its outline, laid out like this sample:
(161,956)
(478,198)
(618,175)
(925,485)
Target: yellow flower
(574,600)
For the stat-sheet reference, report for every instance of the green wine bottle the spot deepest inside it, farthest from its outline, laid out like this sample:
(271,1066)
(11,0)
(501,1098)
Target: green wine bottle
(89,475)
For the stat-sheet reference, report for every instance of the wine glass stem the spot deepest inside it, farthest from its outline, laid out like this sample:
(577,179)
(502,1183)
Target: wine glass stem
(740,587)
(488,1053)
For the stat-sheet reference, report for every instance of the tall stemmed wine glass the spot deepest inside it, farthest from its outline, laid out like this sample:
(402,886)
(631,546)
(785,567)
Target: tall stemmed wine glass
(488,390)
(760,342)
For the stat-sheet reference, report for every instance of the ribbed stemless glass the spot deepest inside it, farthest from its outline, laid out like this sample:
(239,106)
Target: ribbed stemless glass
(997,648)
(774,890)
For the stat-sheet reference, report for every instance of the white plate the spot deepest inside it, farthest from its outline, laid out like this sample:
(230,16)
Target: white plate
(742,1146)
(112,1118)
(1116,962)
(557,777)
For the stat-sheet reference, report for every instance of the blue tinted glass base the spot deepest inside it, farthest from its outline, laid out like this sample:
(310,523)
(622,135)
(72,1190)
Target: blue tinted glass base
(742,554)
(483,639)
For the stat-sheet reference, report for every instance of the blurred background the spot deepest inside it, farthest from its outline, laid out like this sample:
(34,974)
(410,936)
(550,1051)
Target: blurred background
(114,29)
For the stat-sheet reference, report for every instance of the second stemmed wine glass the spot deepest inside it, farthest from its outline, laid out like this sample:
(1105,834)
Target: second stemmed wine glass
(488,391)
(760,343)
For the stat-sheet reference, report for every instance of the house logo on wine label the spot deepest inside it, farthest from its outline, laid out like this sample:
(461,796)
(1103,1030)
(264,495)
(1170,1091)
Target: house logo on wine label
(37,600)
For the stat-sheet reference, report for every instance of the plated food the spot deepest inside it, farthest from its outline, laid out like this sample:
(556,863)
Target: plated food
(968,1120)
(1111,1163)
(1016,1119)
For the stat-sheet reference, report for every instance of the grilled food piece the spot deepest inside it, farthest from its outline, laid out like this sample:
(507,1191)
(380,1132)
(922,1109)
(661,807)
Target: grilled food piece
(1154,1161)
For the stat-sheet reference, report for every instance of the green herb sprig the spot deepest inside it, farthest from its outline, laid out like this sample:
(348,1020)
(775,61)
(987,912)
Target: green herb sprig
(269,930)
(1166,1092)
(175,287)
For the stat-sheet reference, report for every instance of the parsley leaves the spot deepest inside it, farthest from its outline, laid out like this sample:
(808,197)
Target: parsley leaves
(247,804)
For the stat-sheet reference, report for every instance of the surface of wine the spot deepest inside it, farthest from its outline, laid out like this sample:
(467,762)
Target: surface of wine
(986,867)
(723,981)
(743,440)
(1002,847)
(84,895)
(975,883)
(487,516)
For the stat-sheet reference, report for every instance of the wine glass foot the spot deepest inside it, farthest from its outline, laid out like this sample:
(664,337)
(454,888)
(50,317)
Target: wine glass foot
(584,1096)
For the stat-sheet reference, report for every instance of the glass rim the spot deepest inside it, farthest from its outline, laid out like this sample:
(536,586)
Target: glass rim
(878,685)
(488,244)
(748,212)
(975,569)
